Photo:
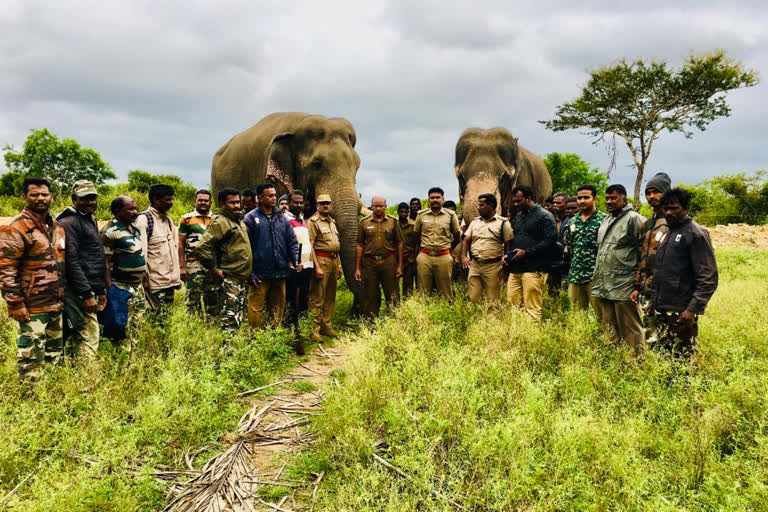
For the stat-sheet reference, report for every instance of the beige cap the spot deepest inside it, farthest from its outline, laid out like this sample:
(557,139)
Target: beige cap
(83,188)
(324,198)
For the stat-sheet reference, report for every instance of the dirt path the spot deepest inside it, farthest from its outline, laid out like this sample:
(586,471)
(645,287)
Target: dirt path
(250,468)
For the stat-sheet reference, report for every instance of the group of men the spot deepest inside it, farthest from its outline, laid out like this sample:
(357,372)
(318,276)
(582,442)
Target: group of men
(257,255)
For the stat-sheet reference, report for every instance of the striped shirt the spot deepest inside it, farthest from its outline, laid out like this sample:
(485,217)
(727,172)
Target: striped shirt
(123,245)
(302,236)
(193,225)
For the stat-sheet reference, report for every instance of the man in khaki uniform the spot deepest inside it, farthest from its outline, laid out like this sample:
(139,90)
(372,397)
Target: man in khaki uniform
(409,248)
(378,257)
(486,240)
(437,230)
(324,239)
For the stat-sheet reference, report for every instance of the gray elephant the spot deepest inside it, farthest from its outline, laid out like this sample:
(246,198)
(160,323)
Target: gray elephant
(294,150)
(491,161)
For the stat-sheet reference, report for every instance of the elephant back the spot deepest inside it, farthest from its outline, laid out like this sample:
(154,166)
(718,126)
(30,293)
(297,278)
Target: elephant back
(533,172)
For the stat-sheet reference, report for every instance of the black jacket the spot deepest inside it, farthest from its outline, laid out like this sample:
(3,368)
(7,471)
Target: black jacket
(85,253)
(535,232)
(685,276)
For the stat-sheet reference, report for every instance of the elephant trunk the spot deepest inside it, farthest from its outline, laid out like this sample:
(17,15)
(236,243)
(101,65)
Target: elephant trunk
(345,210)
(475,187)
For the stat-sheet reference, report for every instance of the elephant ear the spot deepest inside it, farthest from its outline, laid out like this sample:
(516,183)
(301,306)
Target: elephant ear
(280,164)
(510,178)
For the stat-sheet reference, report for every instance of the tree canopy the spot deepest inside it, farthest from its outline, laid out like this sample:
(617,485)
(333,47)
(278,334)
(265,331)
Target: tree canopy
(568,171)
(61,161)
(636,101)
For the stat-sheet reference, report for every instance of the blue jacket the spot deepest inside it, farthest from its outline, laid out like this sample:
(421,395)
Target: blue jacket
(273,244)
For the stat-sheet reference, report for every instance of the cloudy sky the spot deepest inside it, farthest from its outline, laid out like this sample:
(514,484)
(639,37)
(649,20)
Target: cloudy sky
(162,85)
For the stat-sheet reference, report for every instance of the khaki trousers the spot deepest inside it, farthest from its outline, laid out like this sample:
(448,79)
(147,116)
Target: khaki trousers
(378,276)
(580,295)
(526,289)
(484,281)
(266,300)
(621,321)
(322,295)
(435,270)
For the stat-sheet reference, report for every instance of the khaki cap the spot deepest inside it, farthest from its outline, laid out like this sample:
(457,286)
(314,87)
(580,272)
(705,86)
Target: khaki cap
(324,198)
(83,188)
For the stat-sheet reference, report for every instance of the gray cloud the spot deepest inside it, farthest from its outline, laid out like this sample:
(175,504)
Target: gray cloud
(162,86)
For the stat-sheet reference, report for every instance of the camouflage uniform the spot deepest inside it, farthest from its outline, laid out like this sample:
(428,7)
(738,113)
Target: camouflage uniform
(32,253)
(225,245)
(202,289)
(127,268)
(654,231)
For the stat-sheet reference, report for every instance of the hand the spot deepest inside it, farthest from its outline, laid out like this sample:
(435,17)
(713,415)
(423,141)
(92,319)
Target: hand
(184,273)
(520,254)
(464,262)
(299,267)
(339,272)
(399,272)
(90,305)
(218,273)
(358,275)
(649,310)
(686,317)
(20,315)
(102,302)
(255,282)
(319,274)
(635,296)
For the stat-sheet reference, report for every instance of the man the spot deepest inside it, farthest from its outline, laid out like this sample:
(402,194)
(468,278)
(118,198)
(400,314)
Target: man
(249,200)
(225,252)
(549,205)
(297,282)
(32,274)
(618,250)
(559,266)
(125,266)
(415,203)
(282,204)
(450,205)
(159,238)
(580,242)
(85,294)
(533,246)
(202,287)
(486,241)
(409,248)
(437,231)
(572,206)
(275,250)
(378,257)
(685,276)
(324,239)
(653,233)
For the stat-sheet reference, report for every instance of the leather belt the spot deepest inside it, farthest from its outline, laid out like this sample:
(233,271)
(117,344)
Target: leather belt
(432,252)
(380,257)
(484,261)
(326,254)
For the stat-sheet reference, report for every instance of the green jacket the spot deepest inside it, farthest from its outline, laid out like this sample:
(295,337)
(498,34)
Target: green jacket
(225,245)
(618,252)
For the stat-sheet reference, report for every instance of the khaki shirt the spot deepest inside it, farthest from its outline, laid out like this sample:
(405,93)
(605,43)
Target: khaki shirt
(488,236)
(436,230)
(161,250)
(409,240)
(323,232)
(379,237)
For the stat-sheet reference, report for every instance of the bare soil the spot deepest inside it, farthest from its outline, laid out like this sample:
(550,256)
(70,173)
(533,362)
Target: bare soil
(740,235)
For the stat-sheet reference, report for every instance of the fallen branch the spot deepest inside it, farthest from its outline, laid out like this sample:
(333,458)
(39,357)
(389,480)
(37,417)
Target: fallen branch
(262,388)
(21,482)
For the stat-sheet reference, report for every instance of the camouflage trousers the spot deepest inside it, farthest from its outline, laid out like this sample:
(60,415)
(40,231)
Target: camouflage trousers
(40,340)
(81,329)
(137,307)
(677,337)
(231,298)
(202,293)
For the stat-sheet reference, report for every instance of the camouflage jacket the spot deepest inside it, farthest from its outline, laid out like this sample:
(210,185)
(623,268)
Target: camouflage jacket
(32,263)
(654,231)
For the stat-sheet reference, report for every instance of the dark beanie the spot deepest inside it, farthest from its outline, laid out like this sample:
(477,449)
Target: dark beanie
(660,182)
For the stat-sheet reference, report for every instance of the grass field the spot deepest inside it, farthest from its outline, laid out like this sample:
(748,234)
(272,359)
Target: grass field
(490,410)
(498,412)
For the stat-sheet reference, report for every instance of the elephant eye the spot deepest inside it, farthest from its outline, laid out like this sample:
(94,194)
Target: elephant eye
(317,163)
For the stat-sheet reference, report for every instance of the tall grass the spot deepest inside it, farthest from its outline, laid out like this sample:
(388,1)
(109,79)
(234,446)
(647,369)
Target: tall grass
(499,412)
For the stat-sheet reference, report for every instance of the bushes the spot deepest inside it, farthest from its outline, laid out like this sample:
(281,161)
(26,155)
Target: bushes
(731,198)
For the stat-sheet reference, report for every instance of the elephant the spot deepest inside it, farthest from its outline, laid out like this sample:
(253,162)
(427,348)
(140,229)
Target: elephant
(491,161)
(295,150)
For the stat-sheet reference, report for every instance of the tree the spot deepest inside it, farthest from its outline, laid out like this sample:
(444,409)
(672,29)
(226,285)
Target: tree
(731,198)
(142,180)
(568,171)
(61,161)
(637,101)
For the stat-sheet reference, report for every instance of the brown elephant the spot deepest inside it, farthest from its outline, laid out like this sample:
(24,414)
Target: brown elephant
(491,161)
(294,150)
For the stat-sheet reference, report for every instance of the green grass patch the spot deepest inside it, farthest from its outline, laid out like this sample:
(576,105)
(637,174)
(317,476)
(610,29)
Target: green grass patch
(499,412)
